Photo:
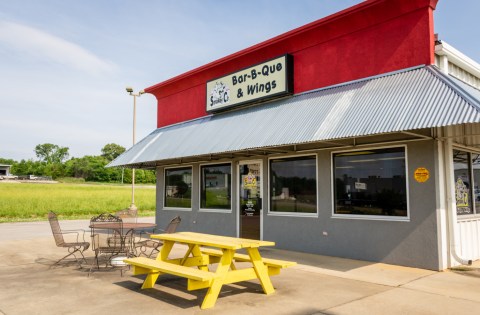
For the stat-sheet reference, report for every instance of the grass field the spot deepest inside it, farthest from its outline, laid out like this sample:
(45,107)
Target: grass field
(31,202)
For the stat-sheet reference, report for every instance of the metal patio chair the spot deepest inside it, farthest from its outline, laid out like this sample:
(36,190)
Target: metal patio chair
(77,246)
(108,240)
(144,245)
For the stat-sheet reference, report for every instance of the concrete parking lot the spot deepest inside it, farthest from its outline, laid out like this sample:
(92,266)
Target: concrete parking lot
(29,284)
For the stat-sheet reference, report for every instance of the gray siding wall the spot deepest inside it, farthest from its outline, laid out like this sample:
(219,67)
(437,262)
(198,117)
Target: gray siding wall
(413,243)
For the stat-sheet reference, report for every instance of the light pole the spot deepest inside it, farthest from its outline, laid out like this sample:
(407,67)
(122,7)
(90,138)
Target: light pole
(130,91)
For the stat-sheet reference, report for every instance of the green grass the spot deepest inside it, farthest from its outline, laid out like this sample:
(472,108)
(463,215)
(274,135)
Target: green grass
(31,202)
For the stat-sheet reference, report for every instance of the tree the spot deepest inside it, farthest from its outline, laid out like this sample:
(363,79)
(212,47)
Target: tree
(26,167)
(111,151)
(52,162)
(92,168)
(51,153)
(7,161)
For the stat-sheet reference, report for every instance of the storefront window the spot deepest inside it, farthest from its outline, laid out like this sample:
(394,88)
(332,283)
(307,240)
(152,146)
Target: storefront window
(371,182)
(467,192)
(178,187)
(216,186)
(293,185)
(476,180)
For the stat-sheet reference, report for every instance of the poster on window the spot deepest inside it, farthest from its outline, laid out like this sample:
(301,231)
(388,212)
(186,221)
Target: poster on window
(250,183)
(462,193)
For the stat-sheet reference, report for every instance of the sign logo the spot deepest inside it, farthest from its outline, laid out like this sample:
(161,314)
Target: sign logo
(250,181)
(220,94)
(265,81)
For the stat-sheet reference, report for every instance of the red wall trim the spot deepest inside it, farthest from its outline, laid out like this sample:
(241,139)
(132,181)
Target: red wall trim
(371,38)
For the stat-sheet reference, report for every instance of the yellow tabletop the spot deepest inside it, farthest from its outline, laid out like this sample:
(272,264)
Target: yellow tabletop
(212,240)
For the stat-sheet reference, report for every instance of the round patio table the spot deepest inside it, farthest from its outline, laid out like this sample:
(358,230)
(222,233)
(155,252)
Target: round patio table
(125,225)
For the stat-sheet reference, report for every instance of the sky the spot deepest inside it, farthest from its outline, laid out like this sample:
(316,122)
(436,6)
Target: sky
(64,64)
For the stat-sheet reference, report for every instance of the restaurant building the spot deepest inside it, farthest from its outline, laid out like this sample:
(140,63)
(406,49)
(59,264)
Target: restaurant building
(355,136)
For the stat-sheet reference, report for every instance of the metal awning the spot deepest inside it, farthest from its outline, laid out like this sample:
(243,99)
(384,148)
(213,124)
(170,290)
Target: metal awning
(409,100)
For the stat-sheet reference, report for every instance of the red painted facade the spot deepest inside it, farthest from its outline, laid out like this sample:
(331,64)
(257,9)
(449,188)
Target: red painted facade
(371,38)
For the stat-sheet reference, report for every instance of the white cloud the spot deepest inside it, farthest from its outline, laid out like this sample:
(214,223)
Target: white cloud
(38,43)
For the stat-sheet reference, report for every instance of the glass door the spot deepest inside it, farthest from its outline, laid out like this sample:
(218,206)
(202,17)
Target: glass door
(250,199)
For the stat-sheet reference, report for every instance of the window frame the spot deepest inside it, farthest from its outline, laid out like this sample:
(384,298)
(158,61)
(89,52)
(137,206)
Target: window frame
(293,214)
(200,179)
(366,216)
(165,187)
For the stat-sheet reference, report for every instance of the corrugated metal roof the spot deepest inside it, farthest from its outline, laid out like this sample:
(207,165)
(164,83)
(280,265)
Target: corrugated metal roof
(412,99)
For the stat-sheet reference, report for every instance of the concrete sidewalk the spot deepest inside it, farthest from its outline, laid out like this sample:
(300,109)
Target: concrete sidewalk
(317,285)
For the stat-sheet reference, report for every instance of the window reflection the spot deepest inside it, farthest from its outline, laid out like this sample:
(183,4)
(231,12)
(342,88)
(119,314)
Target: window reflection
(371,182)
(293,185)
(178,187)
(216,186)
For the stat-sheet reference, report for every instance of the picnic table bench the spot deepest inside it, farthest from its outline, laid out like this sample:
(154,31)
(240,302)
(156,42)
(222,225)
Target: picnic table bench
(153,268)
(274,265)
(200,256)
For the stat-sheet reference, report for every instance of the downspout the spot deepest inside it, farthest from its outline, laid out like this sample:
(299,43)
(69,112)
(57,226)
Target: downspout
(451,204)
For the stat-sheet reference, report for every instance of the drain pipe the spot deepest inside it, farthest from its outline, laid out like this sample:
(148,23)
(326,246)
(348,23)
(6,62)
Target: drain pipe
(451,204)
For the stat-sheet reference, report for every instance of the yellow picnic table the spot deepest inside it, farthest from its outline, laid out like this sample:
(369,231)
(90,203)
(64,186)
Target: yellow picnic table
(204,250)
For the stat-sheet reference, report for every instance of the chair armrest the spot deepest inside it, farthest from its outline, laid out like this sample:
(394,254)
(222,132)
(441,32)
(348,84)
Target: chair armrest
(69,232)
(76,231)
(146,234)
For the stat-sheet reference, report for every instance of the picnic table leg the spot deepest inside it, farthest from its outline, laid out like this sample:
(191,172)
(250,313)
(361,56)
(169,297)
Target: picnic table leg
(261,270)
(189,251)
(152,277)
(217,283)
(196,252)
(165,251)
(150,280)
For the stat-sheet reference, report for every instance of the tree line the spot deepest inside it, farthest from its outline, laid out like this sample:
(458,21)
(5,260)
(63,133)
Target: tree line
(53,161)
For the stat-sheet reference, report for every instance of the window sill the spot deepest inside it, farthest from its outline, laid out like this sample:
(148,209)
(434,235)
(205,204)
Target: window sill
(216,210)
(370,218)
(293,214)
(176,209)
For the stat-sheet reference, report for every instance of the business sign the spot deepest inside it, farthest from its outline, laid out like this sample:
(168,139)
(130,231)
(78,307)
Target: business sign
(421,174)
(265,81)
